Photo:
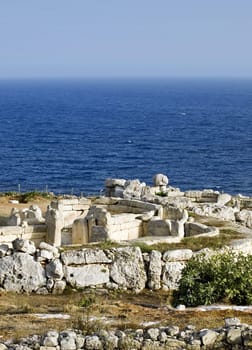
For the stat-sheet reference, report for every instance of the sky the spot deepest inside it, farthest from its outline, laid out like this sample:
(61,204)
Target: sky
(125,38)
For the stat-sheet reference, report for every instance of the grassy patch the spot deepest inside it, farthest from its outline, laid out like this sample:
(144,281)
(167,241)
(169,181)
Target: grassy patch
(195,243)
(27,197)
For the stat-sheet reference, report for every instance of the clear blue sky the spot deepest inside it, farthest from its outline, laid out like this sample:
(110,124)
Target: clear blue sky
(86,38)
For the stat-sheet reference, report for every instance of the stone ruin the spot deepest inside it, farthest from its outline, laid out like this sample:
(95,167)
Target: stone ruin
(130,210)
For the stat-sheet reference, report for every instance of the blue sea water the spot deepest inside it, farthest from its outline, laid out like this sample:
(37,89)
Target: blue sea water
(69,135)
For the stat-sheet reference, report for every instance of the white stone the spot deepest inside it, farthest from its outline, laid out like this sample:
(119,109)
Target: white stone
(160,180)
(87,275)
(25,246)
(172,274)
(128,269)
(177,255)
(20,273)
(155,270)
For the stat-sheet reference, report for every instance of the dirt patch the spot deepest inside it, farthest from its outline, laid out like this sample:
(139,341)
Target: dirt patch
(109,310)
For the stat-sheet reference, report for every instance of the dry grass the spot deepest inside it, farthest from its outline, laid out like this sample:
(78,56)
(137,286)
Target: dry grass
(120,310)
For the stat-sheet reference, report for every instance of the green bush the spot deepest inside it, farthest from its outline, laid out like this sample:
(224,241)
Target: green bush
(221,277)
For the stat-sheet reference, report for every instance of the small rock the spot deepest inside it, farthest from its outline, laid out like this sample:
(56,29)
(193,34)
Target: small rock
(152,333)
(232,321)
(234,336)
(93,343)
(24,246)
(208,337)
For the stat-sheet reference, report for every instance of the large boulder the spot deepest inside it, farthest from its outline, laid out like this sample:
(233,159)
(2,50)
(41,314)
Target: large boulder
(128,269)
(21,273)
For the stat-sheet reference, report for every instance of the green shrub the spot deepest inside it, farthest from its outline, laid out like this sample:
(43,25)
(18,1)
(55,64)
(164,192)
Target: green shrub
(225,277)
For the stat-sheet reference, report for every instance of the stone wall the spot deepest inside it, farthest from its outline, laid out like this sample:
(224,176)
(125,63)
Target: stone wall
(36,233)
(233,335)
(23,268)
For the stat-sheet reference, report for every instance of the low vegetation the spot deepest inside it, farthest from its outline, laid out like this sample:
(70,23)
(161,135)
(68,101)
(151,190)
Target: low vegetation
(27,197)
(219,277)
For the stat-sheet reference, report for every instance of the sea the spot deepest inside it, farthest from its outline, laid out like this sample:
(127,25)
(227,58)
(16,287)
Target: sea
(68,135)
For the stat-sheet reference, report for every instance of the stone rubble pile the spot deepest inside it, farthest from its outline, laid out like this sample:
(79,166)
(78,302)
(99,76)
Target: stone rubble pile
(234,335)
(204,203)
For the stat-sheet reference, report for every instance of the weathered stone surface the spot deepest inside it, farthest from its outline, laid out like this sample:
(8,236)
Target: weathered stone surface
(155,270)
(234,336)
(114,182)
(86,275)
(54,269)
(3,250)
(49,248)
(177,255)
(172,274)
(232,321)
(59,287)
(85,256)
(245,217)
(223,199)
(93,343)
(160,180)
(23,245)
(51,339)
(67,340)
(128,268)
(208,337)
(20,273)
(152,333)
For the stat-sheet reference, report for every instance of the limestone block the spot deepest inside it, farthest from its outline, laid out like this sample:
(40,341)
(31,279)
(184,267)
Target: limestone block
(177,228)
(69,217)
(55,223)
(118,236)
(50,248)
(21,273)
(80,234)
(160,180)
(92,342)
(177,255)
(172,274)
(25,246)
(35,228)
(173,213)
(11,230)
(115,182)
(155,270)
(135,233)
(234,336)
(59,287)
(86,275)
(245,217)
(196,228)
(208,337)
(3,250)
(223,199)
(158,227)
(128,269)
(68,201)
(85,256)
(98,234)
(44,254)
(54,269)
